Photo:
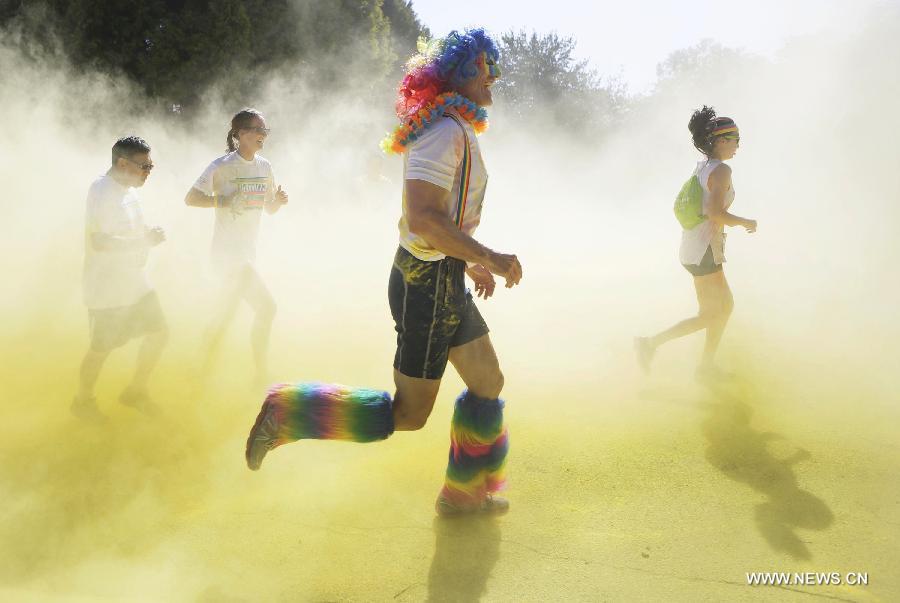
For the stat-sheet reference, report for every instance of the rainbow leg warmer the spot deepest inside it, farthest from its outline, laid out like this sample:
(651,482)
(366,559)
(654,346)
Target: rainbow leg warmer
(478,445)
(325,411)
(322,411)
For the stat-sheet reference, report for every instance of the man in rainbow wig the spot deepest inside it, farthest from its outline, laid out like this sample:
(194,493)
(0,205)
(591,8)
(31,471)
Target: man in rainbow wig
(441,105)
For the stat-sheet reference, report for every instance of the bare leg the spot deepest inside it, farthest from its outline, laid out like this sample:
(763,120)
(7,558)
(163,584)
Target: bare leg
(413,401)
(148,357)
(708,290)
(84,406)
(719,319)
(477,364)
(260,299)
(90,371)
(223,311)
(678,330)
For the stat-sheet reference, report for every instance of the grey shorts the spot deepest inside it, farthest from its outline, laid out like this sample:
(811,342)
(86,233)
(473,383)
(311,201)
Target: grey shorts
(113,327)
(706,266)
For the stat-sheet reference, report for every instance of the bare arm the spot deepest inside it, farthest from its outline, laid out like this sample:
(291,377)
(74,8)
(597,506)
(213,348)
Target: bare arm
(719,184)
(280,198)
(427,215)
(197,198)
(101,241)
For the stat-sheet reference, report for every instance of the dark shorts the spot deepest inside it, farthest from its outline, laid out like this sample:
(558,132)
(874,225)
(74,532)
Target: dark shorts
(706,266)
(433,312)
(113,327)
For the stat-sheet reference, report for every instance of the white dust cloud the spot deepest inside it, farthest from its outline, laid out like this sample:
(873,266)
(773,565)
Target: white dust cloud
(166,510)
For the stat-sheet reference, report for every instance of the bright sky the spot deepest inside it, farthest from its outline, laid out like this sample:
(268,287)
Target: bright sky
(632,36)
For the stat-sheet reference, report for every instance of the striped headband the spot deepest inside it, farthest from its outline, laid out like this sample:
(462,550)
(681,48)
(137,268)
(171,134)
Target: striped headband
(724,125)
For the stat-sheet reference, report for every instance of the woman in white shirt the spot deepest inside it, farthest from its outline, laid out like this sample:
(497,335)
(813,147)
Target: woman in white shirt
(703,246)
(238,186)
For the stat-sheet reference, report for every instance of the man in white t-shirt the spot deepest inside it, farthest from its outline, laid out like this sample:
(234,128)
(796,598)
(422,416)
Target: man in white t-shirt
(120,301)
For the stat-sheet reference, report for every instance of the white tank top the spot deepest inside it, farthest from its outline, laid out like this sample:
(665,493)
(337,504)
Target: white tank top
(697,240)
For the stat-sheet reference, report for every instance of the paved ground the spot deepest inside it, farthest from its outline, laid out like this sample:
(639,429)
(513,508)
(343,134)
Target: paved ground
(623,489)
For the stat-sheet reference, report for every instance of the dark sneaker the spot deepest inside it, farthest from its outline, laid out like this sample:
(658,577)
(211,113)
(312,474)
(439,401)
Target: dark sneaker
(644,352)
(711,374)
(140,401)
(86,410)
(263,437)
(491,505)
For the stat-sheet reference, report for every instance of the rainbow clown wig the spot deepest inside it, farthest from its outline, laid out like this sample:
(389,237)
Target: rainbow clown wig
(433,76)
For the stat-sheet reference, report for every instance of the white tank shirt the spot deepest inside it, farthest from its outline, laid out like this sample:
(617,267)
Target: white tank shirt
(695,241)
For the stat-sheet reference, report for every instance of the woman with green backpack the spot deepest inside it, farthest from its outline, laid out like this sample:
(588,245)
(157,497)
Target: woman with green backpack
(702,209)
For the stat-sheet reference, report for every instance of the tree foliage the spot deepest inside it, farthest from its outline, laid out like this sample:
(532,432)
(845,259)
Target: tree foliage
(405,26)
(175,49)
(543,80)
(701,64)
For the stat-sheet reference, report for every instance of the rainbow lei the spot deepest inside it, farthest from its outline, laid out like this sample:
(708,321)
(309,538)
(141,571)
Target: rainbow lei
(425,117)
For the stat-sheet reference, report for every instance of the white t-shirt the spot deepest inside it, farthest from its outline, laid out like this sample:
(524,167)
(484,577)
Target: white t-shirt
(114,278)
(435,157)
(237,228)
(697,240)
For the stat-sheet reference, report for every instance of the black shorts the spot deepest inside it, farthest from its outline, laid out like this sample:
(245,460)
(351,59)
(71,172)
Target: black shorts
(706,266)
(113,327)
(433,312)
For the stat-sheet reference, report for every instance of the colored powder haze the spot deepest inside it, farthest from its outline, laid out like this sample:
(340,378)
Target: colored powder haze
(623,487)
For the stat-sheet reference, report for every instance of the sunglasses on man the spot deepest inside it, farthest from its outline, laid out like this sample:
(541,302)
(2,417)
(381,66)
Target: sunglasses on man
(144,166)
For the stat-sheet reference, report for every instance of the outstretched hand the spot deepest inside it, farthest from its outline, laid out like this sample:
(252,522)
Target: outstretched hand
(483,279)
(281,197)
(506,265)
(155,236)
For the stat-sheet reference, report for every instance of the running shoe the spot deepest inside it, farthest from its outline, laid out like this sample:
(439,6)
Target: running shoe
(139,400)
(263,437)
(86,410)
(491,505)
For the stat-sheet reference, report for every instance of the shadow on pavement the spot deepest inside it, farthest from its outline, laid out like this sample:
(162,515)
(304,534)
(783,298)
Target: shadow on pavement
(742,454)
(465,552)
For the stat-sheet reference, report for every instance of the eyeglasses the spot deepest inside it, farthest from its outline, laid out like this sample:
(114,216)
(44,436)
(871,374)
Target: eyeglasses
(144,166)
(259,130)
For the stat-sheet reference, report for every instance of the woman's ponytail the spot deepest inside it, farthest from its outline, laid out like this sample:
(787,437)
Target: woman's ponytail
(702,123)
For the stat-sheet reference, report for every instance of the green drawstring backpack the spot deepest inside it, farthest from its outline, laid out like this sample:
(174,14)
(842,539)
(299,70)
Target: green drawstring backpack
(689,204)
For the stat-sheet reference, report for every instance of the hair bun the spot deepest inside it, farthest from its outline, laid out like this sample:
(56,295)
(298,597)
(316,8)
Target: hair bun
(702,122)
